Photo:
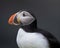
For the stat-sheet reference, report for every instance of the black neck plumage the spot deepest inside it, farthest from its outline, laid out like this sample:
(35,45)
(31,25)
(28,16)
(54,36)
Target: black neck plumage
(31,27)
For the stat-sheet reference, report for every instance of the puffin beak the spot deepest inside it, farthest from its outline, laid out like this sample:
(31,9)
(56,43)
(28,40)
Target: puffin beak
(11,19)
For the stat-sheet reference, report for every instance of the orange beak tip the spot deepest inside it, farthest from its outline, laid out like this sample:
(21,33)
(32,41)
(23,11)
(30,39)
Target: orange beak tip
(11,19)
(9,22)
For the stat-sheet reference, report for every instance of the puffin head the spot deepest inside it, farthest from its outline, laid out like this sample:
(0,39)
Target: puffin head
(21,18)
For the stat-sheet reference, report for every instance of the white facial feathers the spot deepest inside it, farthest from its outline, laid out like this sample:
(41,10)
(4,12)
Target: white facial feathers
(25,17)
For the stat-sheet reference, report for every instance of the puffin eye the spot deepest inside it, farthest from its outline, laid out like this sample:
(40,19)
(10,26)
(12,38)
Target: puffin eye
(24,15)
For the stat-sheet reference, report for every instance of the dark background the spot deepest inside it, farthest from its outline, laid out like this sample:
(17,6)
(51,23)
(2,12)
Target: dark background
(47,13)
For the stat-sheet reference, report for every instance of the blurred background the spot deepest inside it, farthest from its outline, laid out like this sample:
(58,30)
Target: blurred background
(47,13)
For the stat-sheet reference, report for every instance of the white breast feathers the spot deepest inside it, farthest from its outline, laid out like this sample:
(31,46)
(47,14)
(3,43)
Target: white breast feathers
(31,40)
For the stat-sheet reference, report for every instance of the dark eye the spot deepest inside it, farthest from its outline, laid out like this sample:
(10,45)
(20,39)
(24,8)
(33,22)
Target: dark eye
(24,15)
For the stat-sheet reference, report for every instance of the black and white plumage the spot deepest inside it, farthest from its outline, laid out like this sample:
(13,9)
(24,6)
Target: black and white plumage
(29,36)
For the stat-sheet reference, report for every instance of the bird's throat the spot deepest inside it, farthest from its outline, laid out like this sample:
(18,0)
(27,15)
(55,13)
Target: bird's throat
(30,27)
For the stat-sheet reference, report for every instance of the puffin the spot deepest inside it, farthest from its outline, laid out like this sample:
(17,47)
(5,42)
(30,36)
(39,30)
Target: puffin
(29,35)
